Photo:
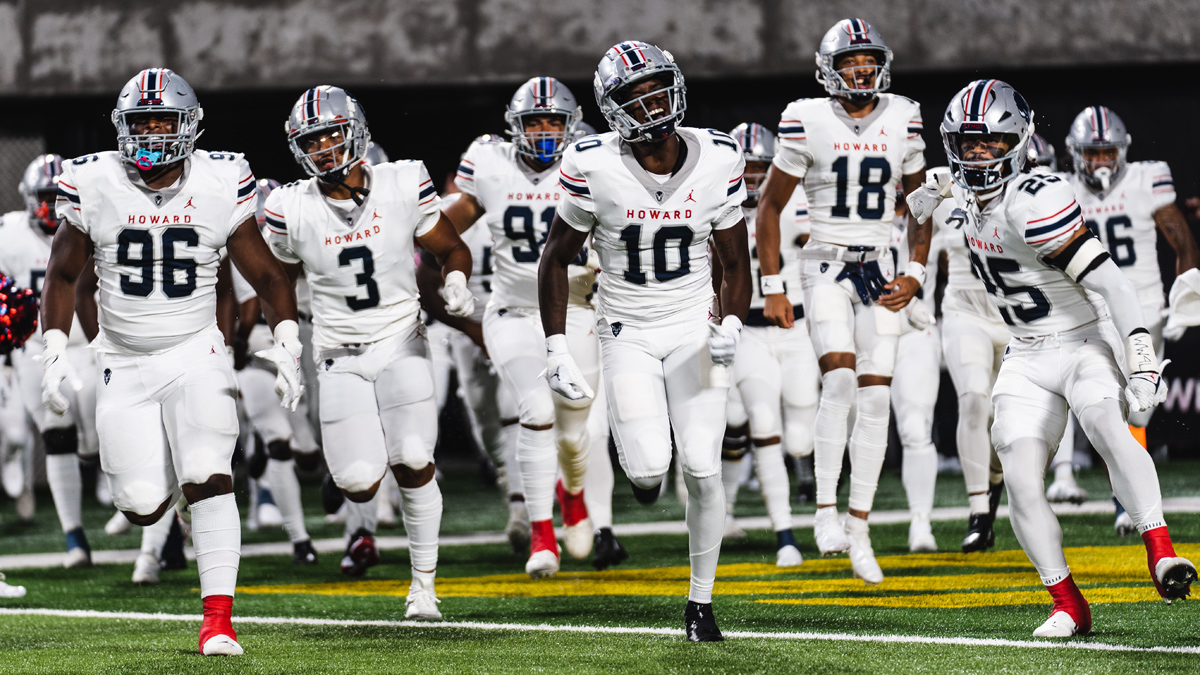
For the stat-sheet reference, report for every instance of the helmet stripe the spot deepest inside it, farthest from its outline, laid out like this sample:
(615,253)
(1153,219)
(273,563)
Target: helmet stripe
(310,110)
(976,103)
(1099,124)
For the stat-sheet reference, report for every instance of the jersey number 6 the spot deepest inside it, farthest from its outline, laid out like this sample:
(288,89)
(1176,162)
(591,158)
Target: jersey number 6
(144,285)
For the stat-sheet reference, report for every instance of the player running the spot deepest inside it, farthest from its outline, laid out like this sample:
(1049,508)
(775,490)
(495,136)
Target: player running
(851,151)
(1038,261)
(155,214)
(651,194)
(350,229)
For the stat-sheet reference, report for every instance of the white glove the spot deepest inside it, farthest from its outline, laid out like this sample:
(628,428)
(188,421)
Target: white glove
(285,356)
(562,373)
(918,314)
(459,301)
(1146,388)
(56,369)
(723,340)
(924,200)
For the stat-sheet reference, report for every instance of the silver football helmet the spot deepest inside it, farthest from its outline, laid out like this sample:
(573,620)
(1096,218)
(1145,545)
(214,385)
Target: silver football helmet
(1043,153)
(375,154)
(758,148)
(583,130)
(847,36)
(993,108)
(265,187)
(542,96)
(1098,127)
(39,188)
(327,113)
(161,91)
(626,64)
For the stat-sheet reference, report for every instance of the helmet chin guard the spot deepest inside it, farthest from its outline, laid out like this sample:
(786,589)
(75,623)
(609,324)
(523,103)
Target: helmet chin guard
(543,96)
(165,93)
(987,108)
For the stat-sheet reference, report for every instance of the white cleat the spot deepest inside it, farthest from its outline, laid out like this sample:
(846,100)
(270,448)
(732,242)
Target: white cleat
(732,529)
(518,528)
(577,539)
(12,475)
(1124,524)
(422,604)
(542,564)
(1064,490)
(145,572)
(77,557)
(829,533)
(117,525)
(269,516)
(10,591)
(788,556)
(920,535)
(222,645)
(862,556)
(1174,577)
(1059,625)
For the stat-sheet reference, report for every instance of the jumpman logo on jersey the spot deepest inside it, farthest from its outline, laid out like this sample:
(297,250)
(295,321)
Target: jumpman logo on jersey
(996,232)
(689,197)
(882,132)
(375,214)
(189,205)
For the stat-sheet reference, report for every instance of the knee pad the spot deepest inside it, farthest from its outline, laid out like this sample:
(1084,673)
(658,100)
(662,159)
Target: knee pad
(974,408)
(764,419)
(537,410)
(653,458)
(140,497)
(914,429)
(838,387)
(699,454)
(307,461)
(798,440)
(415,453)
(61,441)
(358,477)
(648,482)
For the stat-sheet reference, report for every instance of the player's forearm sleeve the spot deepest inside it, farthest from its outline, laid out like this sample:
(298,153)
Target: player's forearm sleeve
(1116,289)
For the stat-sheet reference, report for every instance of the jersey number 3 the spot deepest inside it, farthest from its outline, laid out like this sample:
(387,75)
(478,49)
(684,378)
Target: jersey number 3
(365,278)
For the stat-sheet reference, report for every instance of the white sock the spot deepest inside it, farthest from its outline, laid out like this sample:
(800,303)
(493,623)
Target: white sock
(422,522)
(598,483)
(66,486)
(919,475)
(539,468)
(423,579)
(706,524)
(285,487)
(217,537)
(731,476)
(773,480)
(155,536)
(868,445)
(516,484)
(978,503)
(573,444)
(829,433)
(364,516)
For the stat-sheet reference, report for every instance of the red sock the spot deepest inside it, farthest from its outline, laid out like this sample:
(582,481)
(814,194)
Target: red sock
(1158,546)
(574,509)
(1067,598)
(218,610)
(542,537)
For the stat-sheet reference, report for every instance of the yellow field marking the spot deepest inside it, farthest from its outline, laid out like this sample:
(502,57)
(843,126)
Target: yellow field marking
(1089,565)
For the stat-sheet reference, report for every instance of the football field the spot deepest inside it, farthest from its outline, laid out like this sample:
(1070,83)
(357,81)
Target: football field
(944,612)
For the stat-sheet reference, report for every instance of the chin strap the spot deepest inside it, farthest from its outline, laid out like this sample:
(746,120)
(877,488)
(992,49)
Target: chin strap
(358,194)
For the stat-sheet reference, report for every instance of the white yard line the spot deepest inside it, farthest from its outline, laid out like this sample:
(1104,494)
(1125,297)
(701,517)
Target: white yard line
(44,560)
(621,630)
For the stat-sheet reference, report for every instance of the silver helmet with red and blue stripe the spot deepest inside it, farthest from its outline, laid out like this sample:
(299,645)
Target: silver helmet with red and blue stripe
(758,148)
(1097,128)
(39,189)
(542,96)
(987,108)
(376,154)
(1043,153)
(163,94)
(625,65)
(327,120)
(846,37)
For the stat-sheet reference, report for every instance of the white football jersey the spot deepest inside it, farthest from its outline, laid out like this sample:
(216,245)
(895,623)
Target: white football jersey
(519,205)
(793,223)
(1123,219)
(1036,214)
(652,235)
(479,240)
(359,262)
(850,167)
(156,251)
(24,254)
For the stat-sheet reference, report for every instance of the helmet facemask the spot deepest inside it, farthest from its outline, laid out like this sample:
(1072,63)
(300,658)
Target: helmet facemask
(1099,173)
(755,175)
(341,141)
(858,83)
(174,140)
(662,108)
(40,207)
(984,175)
(545,146)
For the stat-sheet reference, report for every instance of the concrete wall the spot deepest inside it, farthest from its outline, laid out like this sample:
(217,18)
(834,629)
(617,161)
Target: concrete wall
(52,47)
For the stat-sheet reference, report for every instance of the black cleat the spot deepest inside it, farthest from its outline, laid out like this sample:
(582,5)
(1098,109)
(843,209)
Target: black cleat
(360,554)
(171,556)
(699,624)
(303,553)
(646,496)
(331,495)
(608,551)
(995,490)
(980,534)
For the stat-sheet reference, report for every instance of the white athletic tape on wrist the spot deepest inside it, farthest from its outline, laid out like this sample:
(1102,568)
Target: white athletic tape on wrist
(771,284)
(916,270)
(1139,353)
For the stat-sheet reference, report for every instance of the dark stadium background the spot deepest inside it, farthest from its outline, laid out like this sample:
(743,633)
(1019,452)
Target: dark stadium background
(436,123)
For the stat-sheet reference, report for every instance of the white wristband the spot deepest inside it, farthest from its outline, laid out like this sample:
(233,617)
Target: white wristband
(286,331)
(731,321)
(916,270)
(1139,353)
(556,345)
(455,277)
(55,341)
(771,284)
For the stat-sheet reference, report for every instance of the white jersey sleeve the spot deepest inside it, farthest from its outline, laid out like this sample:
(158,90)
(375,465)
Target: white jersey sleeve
(1162,184)
(66,204)
(247,195)
(577,208)
(791,154)
(429,204)
(277,230)
(464,178)
(1049,212)
(914,154)
(735,194)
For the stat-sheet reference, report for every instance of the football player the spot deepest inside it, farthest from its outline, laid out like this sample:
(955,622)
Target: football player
(850,150)
(915,392)
(1125,204)
(26,237)
(156,214)
(515,187)
(1030,246)
(651,194)
(775,369)
(350,228)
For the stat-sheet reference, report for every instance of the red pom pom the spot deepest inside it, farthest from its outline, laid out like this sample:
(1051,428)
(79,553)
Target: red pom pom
(18,315)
